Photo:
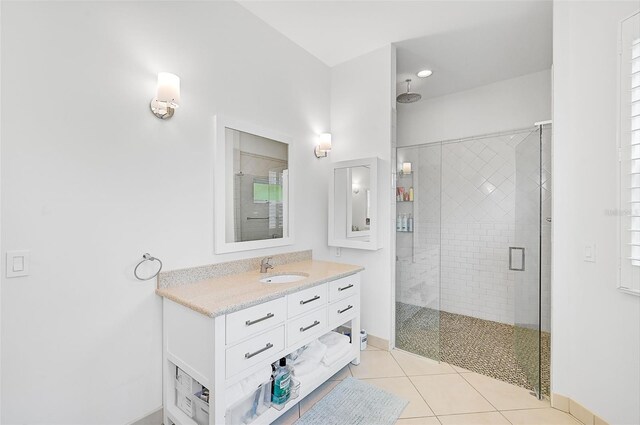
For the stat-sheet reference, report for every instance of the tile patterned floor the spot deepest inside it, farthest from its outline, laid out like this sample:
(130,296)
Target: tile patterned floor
(440,394)
(478,345)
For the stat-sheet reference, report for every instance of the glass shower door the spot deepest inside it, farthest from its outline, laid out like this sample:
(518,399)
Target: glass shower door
(525,261)
(418,236)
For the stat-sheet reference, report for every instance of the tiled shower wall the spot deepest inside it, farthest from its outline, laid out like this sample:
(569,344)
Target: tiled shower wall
(464,210)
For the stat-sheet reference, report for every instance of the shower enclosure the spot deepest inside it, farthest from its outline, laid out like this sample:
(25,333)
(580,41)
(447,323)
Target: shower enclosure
(473,266)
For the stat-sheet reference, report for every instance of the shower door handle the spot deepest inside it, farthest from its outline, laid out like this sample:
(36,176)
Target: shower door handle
(516,258)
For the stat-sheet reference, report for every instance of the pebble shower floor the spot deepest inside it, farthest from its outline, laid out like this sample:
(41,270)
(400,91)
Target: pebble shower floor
(478,345)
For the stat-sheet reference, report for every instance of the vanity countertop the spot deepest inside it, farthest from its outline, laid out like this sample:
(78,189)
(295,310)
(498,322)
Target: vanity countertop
(222,295)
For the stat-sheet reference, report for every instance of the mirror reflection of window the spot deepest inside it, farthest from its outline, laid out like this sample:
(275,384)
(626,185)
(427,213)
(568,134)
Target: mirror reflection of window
(260,169)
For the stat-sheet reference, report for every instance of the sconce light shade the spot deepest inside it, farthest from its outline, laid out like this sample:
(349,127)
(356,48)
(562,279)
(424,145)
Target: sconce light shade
(324,147)
(325,142)
(167,95)
(406,168)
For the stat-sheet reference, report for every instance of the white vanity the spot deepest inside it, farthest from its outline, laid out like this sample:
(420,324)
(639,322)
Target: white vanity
(219,331)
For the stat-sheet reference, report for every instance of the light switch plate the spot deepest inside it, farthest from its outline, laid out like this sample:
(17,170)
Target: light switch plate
(590,253)
(17,263)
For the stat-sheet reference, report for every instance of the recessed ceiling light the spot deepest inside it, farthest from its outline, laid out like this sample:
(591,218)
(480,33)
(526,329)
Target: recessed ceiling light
(425,73)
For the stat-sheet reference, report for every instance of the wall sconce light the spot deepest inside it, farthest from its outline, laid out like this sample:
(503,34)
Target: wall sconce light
(322,150)
(406,168)
(355,188)
(167,96)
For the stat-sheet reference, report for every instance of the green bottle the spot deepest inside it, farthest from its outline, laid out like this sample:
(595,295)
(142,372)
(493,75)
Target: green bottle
(281,385)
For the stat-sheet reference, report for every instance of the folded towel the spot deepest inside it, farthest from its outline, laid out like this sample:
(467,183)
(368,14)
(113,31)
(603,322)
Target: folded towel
(330,359)
(252,382)
(293,356)
(313,353)
(333,338)
(309,359)
(304,368)
(312,375)
(247,386)
(337,346)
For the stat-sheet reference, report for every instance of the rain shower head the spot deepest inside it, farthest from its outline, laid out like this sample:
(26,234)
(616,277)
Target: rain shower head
(408,97)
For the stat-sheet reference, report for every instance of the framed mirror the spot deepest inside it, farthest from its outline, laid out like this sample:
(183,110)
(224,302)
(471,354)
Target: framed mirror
(252,188)
(353,204)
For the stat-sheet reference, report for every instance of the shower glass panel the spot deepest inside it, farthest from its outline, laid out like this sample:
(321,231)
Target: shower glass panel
(472,289)
(418,251)
(531,269)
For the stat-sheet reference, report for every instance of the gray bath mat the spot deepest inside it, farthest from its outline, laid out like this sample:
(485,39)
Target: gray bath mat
(353,402)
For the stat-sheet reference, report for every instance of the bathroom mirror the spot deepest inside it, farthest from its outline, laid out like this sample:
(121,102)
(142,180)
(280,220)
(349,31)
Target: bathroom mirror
(359,203)
(252,187)
(353,203)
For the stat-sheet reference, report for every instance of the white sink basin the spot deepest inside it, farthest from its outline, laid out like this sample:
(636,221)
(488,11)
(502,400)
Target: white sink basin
(283,278)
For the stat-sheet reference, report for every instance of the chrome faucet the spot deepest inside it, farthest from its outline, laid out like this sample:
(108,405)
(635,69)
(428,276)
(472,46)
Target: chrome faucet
(264,265)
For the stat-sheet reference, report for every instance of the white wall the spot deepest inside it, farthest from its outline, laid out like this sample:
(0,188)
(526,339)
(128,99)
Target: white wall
(361,103)
(506,105)
(91,180)
(595,328)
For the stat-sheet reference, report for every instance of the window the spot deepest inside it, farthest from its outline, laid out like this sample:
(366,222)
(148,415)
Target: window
(629,155)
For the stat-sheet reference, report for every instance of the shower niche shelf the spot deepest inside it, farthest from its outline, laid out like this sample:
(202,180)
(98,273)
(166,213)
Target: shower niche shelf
(407,211)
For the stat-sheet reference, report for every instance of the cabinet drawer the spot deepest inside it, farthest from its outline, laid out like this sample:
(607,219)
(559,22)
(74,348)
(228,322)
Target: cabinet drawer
(255,350)
(253,320)
(314,323)
(343,310)
(343,288)
(307,300)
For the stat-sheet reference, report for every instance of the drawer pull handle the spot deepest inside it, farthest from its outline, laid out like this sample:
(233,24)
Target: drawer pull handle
(346,287)
(317,297)
(315,323)
(348,308)
(266,347)
(253,322)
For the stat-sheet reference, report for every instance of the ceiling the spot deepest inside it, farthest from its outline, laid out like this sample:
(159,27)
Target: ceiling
(466,43)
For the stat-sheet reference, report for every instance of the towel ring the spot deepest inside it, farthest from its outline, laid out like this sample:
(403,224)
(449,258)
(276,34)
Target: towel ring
(147,257)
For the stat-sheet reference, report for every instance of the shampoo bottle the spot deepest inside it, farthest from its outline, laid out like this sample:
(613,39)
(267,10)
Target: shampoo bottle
(410,223)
